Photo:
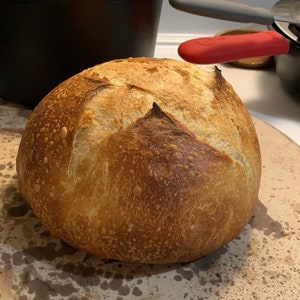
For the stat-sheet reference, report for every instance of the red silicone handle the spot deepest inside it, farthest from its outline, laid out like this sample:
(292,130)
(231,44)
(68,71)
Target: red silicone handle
(219,49)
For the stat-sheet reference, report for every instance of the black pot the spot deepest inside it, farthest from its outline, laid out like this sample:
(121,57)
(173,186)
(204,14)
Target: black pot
(288,69)
(288,65)
(45,42)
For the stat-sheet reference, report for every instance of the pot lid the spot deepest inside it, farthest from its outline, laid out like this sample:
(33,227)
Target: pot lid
(288,9)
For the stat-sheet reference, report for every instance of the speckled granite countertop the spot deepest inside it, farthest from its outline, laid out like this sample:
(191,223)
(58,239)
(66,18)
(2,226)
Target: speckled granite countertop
(262,263)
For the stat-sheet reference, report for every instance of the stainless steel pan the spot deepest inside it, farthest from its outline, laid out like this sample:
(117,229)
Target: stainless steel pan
(282,40)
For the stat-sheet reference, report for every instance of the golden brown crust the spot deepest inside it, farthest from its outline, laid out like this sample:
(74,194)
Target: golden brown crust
(148,160)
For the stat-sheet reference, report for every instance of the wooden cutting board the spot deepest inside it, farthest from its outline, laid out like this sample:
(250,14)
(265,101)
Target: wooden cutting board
(263,262)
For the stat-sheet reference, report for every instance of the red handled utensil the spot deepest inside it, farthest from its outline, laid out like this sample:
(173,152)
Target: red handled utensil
(218,49)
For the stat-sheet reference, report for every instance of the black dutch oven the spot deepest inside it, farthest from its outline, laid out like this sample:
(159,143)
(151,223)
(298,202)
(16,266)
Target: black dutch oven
(43,42)
(288,65)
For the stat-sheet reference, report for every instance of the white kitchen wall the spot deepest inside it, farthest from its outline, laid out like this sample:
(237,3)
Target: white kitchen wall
(176,22)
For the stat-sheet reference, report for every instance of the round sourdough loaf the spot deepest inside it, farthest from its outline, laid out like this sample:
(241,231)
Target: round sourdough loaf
(146,160)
